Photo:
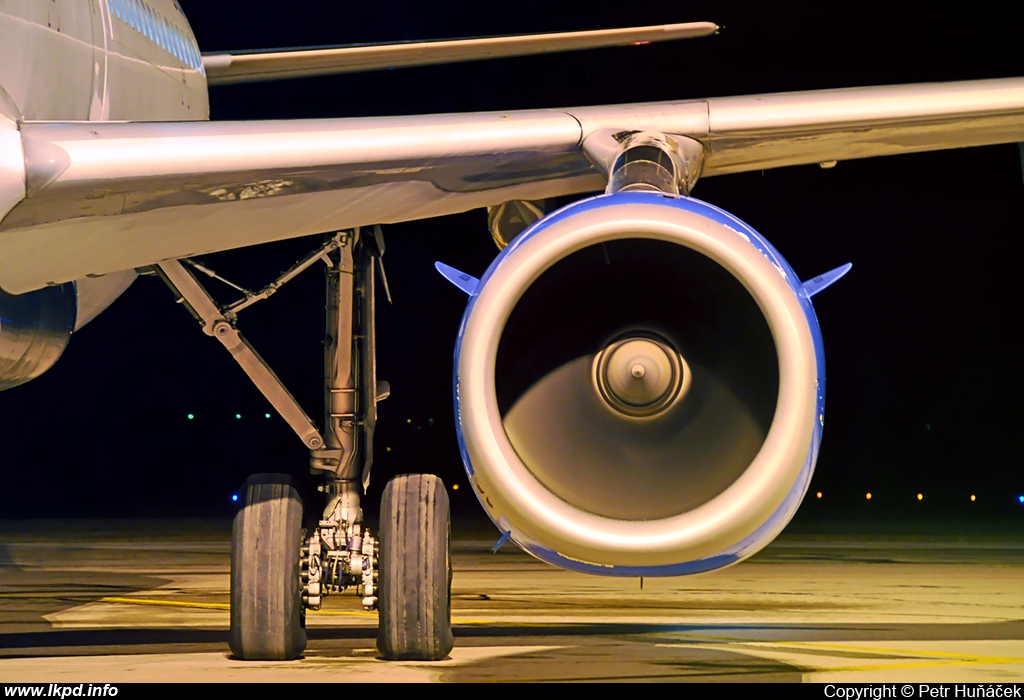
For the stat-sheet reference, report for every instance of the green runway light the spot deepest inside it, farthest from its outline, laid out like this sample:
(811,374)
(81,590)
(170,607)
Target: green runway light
(266,415)
(238,416)
(191,416)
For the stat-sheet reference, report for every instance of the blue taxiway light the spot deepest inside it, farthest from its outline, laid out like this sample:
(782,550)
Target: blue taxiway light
(234,497)
(1020,499)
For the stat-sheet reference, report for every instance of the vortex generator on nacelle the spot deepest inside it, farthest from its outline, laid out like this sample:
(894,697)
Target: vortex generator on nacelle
(639,387)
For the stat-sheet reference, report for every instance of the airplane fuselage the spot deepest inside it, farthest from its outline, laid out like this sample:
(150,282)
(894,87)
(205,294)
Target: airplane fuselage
(84,60)
(101,60)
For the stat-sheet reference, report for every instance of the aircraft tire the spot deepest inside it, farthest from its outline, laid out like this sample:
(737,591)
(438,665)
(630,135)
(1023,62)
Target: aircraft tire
(267,614)
(415,577)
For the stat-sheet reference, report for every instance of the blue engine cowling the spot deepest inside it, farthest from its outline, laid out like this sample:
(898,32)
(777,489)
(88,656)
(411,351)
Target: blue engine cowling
(639,388)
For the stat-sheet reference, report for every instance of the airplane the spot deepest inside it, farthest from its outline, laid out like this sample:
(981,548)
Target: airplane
(103,180)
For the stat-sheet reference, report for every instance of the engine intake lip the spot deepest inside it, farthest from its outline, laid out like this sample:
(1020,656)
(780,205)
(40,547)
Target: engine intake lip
(519,502)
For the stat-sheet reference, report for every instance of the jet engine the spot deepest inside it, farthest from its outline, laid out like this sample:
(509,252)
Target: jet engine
(639,387)
(34,330)
(35,327)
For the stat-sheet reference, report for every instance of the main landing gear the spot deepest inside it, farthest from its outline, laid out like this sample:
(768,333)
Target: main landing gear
(278,571)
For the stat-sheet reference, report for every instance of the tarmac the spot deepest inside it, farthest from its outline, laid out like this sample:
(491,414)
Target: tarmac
(147,601)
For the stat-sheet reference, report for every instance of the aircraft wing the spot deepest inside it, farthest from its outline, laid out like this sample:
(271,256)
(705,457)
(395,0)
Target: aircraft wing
(101,197)
(252,66)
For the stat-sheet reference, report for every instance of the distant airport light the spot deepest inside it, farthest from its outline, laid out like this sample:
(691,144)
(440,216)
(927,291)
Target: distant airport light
(266,415)
(234,497)
(455,487)
(868,495)
(920,496)
(1020,499)
(973,498)
(819,494)
(191,416)
(238,416)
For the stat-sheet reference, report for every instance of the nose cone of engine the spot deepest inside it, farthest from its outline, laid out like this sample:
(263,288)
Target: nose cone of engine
(638,387)
(639,377)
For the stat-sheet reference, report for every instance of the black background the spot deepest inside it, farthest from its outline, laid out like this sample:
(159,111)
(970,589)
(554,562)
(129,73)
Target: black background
(921,337)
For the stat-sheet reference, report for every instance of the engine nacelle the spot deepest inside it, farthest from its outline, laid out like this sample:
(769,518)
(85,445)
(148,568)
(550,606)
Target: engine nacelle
(639,388)
(35,327)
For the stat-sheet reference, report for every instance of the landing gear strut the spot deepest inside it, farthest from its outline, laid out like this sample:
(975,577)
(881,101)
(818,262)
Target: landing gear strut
(278,572)
(340,553)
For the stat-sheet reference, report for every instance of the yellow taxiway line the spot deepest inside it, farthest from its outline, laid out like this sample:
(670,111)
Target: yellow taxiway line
(928,659)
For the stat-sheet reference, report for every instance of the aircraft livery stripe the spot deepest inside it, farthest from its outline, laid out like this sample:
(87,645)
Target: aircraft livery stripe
(138,15)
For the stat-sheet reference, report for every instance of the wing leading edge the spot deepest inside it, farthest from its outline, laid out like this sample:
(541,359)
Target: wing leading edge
(114,196)
(253,66)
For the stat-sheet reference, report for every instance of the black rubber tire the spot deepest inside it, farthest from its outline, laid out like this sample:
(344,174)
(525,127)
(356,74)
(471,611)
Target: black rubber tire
(267,615)
(415,579)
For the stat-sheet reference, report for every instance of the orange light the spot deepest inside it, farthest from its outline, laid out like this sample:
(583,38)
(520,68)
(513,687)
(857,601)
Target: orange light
(920,496)
(868,496)
(455,487)
(819,494)
(973,497)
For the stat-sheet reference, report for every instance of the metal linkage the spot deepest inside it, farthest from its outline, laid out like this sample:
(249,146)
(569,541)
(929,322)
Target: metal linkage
(216,324)
(231,311)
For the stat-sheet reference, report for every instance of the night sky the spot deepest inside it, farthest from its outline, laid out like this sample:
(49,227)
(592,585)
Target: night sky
(924,361)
